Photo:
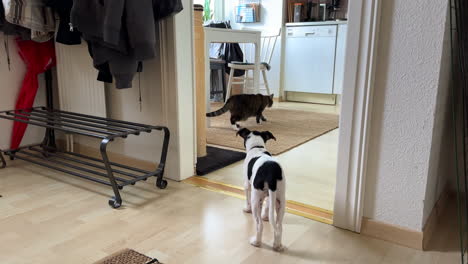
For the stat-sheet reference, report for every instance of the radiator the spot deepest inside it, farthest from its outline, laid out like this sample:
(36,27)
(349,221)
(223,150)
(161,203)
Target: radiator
(78,89)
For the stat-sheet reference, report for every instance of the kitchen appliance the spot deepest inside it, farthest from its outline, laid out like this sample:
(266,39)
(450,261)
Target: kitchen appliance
(323,12)
(312,11)
(334,9)
(310,59)
(298,12)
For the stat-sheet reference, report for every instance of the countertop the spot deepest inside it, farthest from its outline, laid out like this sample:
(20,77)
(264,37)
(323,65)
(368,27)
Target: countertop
(317,23)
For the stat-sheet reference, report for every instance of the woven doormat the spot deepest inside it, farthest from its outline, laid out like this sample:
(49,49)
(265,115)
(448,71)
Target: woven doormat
(128,256)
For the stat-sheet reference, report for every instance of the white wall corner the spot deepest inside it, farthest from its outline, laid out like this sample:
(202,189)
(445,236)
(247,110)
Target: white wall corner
(407,84)
(441,161)
(178,91)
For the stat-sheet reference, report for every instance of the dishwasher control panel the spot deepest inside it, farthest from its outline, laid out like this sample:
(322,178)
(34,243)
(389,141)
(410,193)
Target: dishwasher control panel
(311,31)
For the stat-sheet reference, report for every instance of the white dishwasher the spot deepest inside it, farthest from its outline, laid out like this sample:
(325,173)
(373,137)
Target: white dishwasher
(310,59)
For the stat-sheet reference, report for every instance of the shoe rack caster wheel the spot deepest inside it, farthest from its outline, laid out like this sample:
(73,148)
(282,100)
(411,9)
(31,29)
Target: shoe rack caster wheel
(114,204)
(162,184)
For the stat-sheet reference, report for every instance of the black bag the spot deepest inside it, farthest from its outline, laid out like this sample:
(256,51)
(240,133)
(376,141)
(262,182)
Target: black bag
(232,51)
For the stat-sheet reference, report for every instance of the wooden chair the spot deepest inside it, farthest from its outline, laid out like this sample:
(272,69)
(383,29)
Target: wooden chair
(267,48)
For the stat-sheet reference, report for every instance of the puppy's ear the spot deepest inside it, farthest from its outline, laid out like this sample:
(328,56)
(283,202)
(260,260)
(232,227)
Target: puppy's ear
(244,132)
(267,135)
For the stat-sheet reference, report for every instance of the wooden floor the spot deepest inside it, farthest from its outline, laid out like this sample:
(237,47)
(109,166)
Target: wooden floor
(310,168)
(293,207)
(50,218)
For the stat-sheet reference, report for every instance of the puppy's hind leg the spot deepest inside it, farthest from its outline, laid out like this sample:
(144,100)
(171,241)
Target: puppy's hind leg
(247,189)
(277,246)
(265,209)
(256,240)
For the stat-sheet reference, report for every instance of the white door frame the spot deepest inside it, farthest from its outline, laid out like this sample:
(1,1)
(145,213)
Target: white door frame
(361,50)
(177,71)
(356,106)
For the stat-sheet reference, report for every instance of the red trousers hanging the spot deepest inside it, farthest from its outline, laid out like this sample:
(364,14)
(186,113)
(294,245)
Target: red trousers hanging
(38,57)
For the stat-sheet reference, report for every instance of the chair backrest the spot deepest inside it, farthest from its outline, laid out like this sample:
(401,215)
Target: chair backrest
(267,47)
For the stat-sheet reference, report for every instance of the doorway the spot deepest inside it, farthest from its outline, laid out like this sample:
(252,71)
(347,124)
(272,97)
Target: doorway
(354,121)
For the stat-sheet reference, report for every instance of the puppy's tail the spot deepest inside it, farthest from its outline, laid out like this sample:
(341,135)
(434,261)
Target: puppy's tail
(271,216)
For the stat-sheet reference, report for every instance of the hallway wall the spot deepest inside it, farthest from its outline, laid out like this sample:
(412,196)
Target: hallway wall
(407,84)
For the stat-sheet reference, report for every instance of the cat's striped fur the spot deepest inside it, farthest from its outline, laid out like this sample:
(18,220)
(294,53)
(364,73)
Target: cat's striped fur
(243,106)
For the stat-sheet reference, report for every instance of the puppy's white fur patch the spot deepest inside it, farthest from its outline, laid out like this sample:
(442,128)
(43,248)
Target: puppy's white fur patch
(275,201)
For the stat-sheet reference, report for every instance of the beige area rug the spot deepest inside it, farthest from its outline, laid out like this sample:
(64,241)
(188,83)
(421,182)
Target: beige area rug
(290,127)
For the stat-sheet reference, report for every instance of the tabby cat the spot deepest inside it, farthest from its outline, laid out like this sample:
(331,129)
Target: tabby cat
(243,106)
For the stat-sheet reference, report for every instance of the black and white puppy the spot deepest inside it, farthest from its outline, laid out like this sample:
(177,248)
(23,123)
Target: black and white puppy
(263,179)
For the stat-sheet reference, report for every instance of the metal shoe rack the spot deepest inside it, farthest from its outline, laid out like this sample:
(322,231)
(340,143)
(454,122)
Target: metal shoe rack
(100,170)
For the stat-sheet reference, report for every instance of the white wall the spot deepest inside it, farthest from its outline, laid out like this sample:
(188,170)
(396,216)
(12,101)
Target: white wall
(271,21)
(124,105)
(406,87)
(441,163)
(10,85)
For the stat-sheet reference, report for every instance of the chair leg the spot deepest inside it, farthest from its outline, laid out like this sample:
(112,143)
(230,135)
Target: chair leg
(246,78)
(220,84)
(266,82)
(229,86)
(223,73)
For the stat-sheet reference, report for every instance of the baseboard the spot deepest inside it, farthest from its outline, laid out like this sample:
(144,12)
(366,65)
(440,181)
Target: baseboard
(391,233)
(435,216)
(327,99)
(404,236)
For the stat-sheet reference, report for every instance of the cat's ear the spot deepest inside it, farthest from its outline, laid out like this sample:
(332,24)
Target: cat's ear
(267,135)
(271,96)
(244,132)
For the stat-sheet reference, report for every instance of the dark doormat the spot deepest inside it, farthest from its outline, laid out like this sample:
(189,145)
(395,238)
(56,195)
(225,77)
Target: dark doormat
(128,256)
(217,158)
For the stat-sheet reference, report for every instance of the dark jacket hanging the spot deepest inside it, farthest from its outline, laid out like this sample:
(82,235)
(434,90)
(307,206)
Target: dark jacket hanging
(65,34)
(121,32)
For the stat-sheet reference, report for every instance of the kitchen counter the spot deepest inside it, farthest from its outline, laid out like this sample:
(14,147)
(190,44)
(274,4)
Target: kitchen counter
(317,23)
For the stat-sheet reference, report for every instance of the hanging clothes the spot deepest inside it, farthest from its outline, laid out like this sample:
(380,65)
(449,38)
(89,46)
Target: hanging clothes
(11,29)
(231,51)
(31,14)
(121,33)
(38,58)
(65,34)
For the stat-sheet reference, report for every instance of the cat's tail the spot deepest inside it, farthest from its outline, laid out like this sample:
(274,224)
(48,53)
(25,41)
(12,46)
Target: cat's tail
(219,112)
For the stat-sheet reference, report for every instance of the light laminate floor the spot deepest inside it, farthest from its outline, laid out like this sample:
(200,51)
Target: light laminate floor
(310,168)
(49,218)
